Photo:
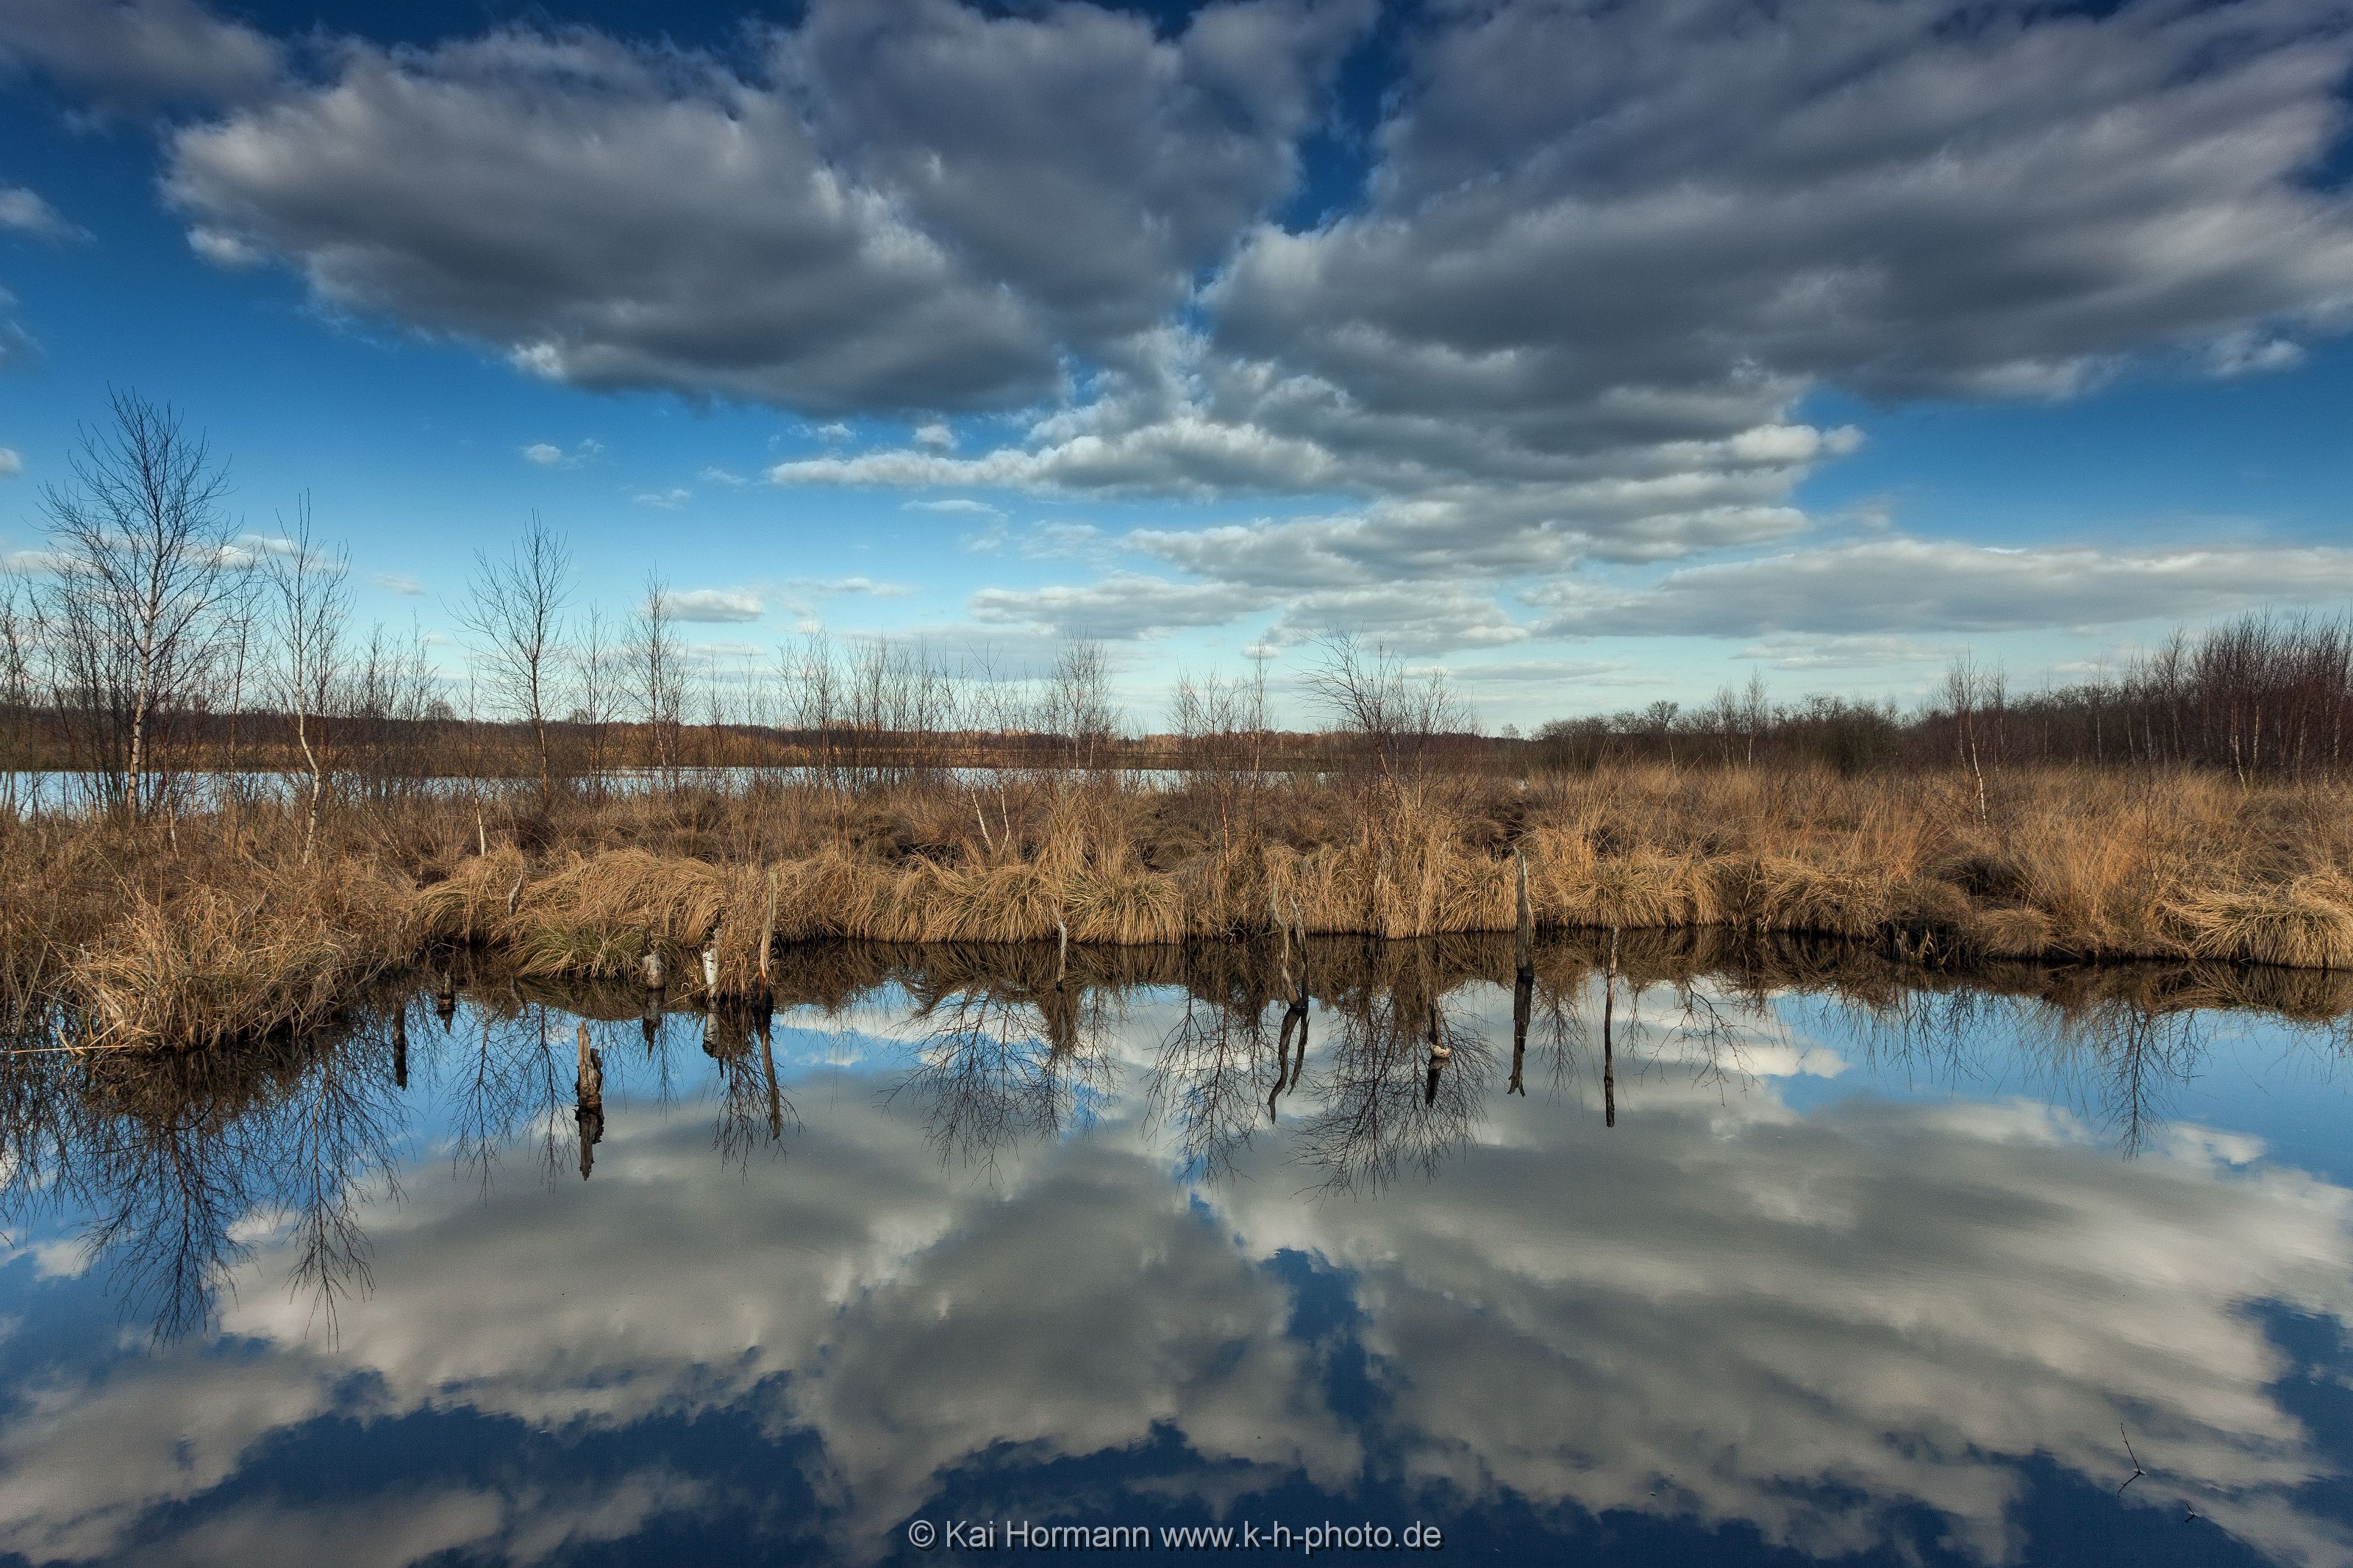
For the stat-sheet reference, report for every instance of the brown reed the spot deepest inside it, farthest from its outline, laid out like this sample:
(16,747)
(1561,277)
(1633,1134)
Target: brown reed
(213,928)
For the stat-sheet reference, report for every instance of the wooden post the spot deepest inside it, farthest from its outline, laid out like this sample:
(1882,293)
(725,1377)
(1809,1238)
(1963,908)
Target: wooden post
(1523,941)
(652,970)
(768,931)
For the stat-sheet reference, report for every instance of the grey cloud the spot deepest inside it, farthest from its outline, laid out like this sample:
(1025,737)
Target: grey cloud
(915,207)
(1607,251)
(135,53)
(1920,198)
(1800,651)
(1071,152)
(1910,586)
(1125,605)
(1405,618)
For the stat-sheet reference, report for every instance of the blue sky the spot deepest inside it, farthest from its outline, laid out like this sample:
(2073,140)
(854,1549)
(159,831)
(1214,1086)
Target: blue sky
(1597,359)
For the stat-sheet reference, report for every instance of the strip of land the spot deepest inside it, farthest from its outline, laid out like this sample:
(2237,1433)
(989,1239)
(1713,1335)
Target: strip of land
(245,920)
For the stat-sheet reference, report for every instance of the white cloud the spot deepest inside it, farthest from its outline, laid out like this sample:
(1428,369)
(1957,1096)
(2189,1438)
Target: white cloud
(396,583)
(715,475)
(715,604)
(936,435)
(225,250)
(25,212)
(667,500)
(11,462)
(544,454)
(955,506)
(866,587)
(1900,586)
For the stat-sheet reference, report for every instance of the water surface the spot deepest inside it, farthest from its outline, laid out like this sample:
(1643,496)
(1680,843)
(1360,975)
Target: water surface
(1796,1262)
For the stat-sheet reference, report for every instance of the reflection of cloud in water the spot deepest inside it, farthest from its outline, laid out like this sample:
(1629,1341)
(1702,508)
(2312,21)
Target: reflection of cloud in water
(1806,1323)
(1901,1300)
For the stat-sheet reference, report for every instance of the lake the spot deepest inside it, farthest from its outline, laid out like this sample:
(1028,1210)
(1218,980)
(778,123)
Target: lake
(1776,1257)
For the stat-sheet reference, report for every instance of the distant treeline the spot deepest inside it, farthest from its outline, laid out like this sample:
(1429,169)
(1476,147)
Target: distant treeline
(2264,695)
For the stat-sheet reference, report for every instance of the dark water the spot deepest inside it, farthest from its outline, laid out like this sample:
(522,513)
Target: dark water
(1860,1273)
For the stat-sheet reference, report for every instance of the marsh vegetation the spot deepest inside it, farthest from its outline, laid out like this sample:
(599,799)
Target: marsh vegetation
(270,811)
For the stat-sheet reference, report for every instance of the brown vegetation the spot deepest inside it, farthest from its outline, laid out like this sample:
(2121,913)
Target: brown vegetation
(213,926)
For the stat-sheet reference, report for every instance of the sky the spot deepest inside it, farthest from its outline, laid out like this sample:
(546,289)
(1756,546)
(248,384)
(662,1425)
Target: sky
(1596,354)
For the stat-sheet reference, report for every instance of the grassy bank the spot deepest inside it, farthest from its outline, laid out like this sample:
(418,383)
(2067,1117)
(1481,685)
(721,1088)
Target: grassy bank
(210,929)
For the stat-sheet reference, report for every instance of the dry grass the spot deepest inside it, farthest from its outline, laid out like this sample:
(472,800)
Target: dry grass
(213,929)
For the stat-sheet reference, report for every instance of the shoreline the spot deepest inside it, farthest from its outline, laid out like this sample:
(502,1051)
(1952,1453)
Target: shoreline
(205,930)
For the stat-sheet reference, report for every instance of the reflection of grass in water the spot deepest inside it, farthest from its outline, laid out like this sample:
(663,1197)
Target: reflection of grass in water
(177,1156)
(212,927)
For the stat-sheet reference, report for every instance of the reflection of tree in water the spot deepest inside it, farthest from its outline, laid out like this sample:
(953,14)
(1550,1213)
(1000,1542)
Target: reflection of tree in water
(753,1108)
(174,1160)
(512,1077)
(996,1066)
(1401,1084)
(167,1162)
(1212,1082)
(2112,1060)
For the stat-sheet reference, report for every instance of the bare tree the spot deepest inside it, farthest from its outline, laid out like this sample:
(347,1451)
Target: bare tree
(1077,701)
(389,702)
(1394,715)
(144,590)
(20,634)
(597,690)
(515,613)
(311,601)
(659,671)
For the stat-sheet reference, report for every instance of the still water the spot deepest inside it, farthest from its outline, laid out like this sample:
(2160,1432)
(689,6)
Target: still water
(1766,1258)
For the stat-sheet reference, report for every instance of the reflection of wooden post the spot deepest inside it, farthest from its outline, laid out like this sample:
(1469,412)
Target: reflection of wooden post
(590,1087)
(445,999)
(1524,996)
(1608,1064)
(588,1107)
(400,1046)
(1524,975)
(1440,1053)
(768,1067)
(1062,952)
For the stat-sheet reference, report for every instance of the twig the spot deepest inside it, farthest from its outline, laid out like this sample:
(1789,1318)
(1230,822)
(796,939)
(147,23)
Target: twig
(2137,1471)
